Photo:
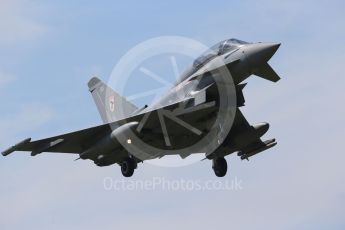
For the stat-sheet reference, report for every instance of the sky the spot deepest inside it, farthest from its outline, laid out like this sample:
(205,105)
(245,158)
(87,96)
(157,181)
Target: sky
(48,52)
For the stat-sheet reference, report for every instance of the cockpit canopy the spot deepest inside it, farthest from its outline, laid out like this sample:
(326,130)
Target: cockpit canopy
(218,49)
(227,45)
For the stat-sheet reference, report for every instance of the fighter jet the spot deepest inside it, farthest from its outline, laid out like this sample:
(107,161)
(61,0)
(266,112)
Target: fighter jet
(199,114)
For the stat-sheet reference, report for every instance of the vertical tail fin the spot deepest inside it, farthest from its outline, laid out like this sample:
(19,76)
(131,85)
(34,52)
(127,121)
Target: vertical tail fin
(111,105)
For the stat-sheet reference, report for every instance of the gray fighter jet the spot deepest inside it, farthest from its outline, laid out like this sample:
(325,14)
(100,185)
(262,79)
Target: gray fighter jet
(200,114)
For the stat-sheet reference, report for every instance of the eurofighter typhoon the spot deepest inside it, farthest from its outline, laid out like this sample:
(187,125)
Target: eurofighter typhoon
(199,114)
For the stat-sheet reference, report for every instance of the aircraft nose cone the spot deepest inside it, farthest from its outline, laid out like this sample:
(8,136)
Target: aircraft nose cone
(262,52)
(269,49)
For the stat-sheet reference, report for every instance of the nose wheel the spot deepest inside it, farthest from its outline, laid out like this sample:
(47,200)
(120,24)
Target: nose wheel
(220,166)
(128,166)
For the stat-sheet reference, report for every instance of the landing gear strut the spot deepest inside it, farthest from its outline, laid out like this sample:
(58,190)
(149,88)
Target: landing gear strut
(128,166)
(219,166)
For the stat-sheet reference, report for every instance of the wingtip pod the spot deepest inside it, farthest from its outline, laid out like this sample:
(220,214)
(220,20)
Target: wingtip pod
(15,147)
(268,144)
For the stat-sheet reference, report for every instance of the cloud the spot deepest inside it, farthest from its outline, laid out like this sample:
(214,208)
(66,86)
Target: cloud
(5,78)
(29,117)
(17,23)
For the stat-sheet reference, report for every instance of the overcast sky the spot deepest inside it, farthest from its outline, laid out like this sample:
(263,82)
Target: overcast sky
(48,52)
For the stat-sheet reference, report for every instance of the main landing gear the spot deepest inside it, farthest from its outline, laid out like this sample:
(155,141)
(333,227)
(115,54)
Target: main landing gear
(219,166)
(128,166)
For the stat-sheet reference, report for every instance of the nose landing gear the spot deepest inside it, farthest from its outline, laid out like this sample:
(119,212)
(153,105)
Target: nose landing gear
(128,166)
(219,166)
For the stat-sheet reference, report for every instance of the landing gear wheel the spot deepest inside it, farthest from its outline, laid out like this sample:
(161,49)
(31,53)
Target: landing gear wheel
(219,166)
(128,166)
